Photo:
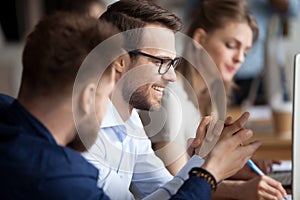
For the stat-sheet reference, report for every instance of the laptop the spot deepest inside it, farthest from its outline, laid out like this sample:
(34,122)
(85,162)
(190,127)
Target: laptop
(287,177)
(283,173)
(296,130)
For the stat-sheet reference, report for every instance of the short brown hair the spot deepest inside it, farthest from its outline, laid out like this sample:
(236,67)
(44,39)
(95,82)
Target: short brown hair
(55,50)
(136,14)
(131,14)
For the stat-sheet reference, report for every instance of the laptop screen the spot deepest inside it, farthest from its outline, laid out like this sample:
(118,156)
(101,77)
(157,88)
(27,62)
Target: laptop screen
(296,130)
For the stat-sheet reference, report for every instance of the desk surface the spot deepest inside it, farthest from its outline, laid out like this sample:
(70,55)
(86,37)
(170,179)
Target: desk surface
(273,146)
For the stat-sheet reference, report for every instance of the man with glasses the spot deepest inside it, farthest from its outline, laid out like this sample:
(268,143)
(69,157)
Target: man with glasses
(123,152)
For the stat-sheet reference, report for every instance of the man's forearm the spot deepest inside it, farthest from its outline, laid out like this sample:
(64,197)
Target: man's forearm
(227,190)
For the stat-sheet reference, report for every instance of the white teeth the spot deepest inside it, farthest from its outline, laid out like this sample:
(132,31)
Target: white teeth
(158,88)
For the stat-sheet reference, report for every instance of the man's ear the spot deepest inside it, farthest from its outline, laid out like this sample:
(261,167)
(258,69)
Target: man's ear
(200,36)
(120,65)
(87,99)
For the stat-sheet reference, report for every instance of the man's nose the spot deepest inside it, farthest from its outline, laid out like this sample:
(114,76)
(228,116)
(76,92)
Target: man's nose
(170,75)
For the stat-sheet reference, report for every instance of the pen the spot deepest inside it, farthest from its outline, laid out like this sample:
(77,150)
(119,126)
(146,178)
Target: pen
(253,166)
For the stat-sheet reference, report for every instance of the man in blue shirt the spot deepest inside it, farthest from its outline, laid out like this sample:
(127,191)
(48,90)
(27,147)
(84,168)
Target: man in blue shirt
(36,128)
(61,102)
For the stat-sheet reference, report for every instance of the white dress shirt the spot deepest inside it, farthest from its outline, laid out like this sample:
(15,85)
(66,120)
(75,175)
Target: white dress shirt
(126,161)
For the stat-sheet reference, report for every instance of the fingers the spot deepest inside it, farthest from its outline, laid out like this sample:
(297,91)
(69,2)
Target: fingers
(190,141)
(268,166)
(237,125)
(250,148)
(270,189)
(200,134)
(241,136)
(265,165)
(193,143)
(275,184)
(236,155)
(228,121)
(201,131)
(276,162)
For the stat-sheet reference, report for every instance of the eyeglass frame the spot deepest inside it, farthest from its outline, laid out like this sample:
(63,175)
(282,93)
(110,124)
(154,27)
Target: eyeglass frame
(162,60)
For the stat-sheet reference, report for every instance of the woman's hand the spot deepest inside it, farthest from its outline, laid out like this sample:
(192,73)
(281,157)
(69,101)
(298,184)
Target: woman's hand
(262,188)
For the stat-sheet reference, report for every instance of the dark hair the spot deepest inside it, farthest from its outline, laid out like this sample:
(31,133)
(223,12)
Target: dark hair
(55,50)
(131,14)
(136,14)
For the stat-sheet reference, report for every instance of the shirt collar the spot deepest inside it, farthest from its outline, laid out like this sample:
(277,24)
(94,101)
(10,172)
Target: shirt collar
(112,118)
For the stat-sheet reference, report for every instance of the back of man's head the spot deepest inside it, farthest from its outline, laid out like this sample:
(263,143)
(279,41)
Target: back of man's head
(131,14)
(55,50)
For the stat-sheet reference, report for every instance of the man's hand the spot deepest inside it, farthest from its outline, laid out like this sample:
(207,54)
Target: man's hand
(229,156)
(194,143)
(230,128)
(260,187)
(264,188)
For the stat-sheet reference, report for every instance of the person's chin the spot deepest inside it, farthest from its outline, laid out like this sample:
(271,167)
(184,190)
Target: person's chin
(227,77)
(155,106)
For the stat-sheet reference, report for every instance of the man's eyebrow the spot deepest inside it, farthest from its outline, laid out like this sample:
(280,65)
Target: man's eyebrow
(165,56)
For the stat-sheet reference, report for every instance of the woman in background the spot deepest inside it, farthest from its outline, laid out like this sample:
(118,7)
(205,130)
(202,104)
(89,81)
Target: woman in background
(226,30)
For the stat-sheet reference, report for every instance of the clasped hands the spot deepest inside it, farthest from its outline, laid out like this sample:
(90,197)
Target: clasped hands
(229,155)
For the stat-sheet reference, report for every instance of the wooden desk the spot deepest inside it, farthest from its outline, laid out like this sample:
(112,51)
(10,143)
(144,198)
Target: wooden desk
(273,147)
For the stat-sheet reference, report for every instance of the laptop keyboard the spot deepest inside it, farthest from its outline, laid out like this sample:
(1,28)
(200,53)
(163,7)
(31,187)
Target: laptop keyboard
(285,177)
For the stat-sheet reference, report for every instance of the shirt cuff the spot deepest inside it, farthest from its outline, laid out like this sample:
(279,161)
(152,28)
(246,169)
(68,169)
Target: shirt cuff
(167,190)
(171,187)
(195,161)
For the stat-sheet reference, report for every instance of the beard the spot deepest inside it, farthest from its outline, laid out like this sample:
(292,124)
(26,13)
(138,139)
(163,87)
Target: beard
(140,98)
(86,134)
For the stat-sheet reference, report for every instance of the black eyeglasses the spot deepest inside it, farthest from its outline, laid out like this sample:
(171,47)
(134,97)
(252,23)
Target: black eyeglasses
(165,63)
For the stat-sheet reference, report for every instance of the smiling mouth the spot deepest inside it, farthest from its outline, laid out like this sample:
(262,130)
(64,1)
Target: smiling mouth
(158,89)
